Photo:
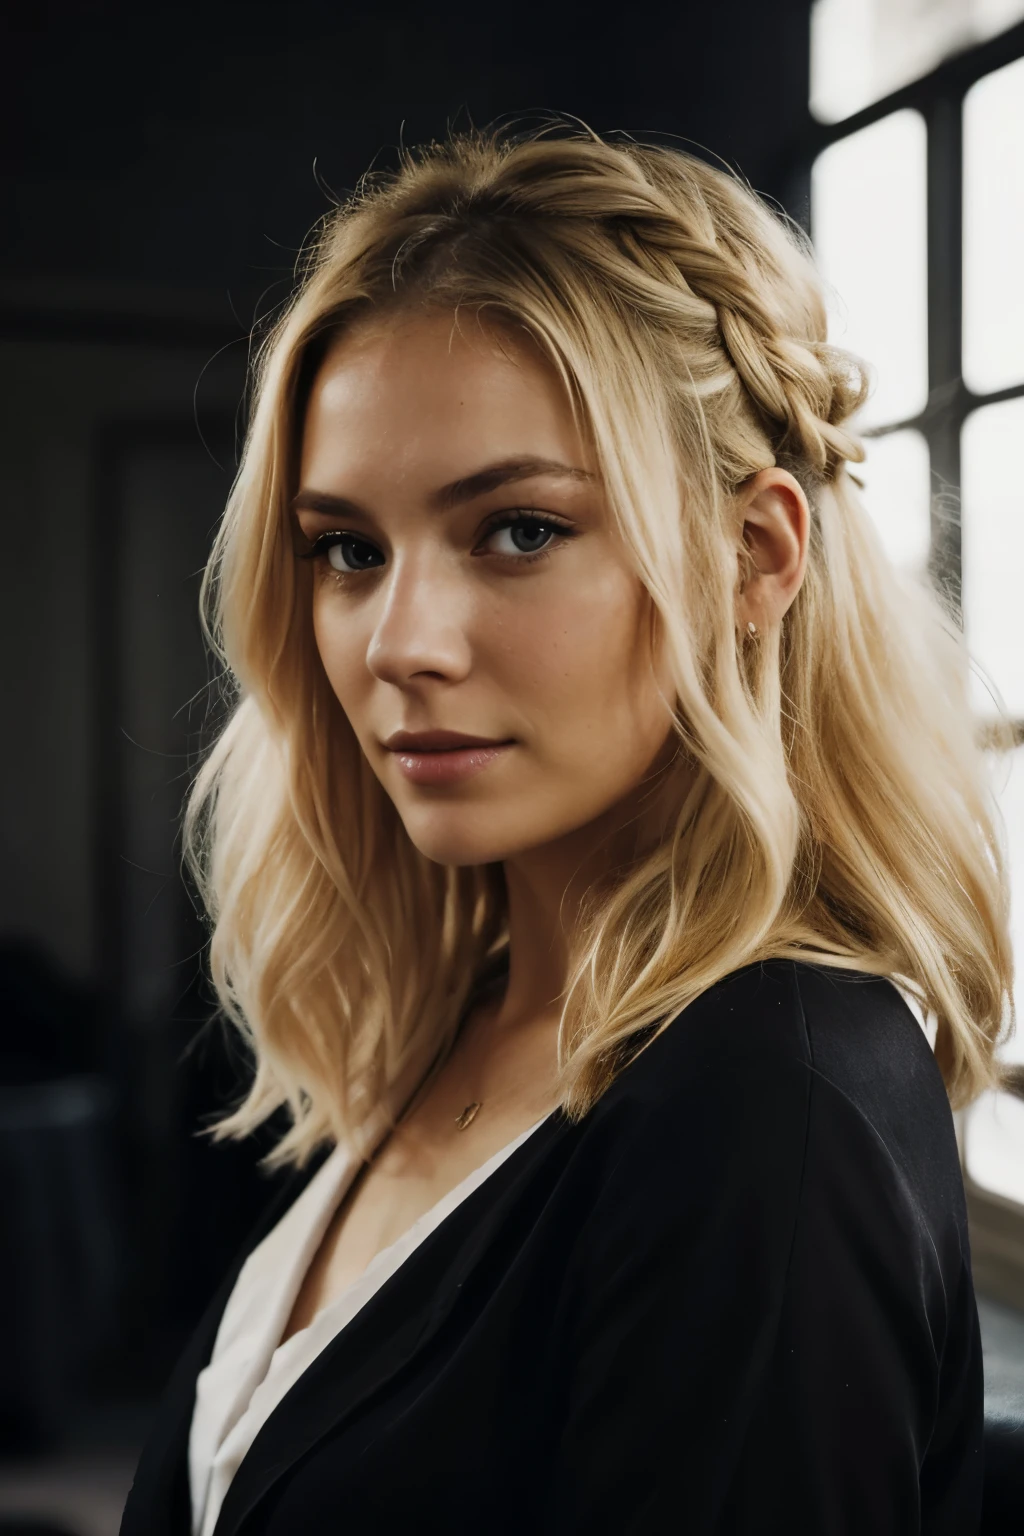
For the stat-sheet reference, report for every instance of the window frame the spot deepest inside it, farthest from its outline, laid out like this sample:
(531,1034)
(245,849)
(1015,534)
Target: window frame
(996,1223)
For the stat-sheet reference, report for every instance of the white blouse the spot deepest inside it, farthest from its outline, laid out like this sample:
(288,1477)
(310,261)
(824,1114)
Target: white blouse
(250,1371)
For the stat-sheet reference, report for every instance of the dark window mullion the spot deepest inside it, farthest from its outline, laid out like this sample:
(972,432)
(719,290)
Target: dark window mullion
(947,397)
(973,402)
(947,82)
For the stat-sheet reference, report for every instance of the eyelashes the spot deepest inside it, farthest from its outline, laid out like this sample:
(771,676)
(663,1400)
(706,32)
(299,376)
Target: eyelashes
(324,545)
(354,547)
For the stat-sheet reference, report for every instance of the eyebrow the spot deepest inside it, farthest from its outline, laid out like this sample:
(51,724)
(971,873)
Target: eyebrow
(468,488)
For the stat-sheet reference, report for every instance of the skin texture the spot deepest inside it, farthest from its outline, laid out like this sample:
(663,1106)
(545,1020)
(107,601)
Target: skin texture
(445,623)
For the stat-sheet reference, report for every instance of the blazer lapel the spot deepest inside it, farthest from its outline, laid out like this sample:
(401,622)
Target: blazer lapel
(393,1326)
(159,1503)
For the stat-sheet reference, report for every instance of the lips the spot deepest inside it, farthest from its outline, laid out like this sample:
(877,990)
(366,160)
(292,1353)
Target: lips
(439,758)
(439,741)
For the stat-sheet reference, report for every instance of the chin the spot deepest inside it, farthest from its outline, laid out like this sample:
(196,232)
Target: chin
(457,848)
(469,835)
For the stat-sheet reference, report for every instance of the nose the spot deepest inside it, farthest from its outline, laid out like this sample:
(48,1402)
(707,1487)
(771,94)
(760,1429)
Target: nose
(421,625)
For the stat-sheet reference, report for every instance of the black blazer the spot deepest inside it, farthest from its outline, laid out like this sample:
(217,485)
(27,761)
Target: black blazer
(735,1298)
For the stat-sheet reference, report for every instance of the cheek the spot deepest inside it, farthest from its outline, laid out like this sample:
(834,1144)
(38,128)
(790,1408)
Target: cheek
(584,669)
(338,643)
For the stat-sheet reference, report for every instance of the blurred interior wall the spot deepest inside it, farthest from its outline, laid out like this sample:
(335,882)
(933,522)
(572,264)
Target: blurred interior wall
(160,169)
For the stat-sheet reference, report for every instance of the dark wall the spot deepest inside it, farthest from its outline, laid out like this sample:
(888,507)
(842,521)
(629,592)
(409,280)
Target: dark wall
(177,143)
(161,166)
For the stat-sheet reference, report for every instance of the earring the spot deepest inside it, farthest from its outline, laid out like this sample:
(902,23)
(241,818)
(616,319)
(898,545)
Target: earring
(751,627)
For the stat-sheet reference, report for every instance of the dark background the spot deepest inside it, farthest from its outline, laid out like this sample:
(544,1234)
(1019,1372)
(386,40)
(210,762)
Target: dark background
(161,166)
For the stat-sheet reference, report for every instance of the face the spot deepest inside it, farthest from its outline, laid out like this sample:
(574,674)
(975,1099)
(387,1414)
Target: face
(467,579)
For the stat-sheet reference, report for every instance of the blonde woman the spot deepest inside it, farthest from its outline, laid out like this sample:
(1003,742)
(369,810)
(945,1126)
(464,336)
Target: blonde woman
(594,798)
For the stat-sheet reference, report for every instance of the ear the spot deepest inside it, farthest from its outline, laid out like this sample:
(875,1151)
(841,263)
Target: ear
(776,528)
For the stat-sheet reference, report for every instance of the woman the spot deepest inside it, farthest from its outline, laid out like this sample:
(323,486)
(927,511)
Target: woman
(591,776)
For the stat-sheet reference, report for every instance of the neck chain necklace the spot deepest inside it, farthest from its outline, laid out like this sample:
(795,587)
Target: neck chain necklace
(468,1114)
(471,1111)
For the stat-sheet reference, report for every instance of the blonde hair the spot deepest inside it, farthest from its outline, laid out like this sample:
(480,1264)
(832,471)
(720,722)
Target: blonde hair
(836,808)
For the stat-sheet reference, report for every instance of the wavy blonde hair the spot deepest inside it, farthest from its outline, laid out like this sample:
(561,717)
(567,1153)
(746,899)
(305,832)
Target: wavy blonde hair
(836,806)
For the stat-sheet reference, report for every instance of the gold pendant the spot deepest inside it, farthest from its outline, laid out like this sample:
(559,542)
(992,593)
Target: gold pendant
(468,1114)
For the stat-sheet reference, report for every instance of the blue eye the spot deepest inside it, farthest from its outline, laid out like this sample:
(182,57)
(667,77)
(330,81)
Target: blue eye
(530,534)
(346,552)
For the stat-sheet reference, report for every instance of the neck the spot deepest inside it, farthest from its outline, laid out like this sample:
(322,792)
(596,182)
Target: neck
(547,888)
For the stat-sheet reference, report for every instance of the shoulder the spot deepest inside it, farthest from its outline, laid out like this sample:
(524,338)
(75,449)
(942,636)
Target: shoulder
(851,1030)
(769,1263)
(783,1061)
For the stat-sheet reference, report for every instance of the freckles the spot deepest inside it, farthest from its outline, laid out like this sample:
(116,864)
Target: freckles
(603,621)
(338,645)
(517,636)
(322,631)
(574,645)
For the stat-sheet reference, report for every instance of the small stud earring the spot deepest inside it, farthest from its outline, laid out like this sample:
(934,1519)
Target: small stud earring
(751,627)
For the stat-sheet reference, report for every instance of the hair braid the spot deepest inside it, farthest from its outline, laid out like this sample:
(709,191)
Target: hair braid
(833,804)
(803,388)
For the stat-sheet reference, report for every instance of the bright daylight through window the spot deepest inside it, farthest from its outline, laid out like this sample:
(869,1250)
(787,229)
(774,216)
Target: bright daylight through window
(870,222)
(863,50)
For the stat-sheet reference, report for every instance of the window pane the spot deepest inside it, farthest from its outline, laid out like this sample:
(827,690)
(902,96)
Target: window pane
(994,1144)
(897,493)
(870,235)
(993,550)
(863,49)
(994,230)
(994,1126)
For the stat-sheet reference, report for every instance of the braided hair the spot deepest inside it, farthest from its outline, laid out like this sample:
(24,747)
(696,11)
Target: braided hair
(836,804)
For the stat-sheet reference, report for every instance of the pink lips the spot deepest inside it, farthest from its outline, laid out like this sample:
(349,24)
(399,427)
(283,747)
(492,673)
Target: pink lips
(442,757)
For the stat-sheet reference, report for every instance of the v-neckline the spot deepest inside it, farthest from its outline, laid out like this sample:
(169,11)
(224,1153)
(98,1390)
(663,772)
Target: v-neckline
(427,1219)
(230,1413)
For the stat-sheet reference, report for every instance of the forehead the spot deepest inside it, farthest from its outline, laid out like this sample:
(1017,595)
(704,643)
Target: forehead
(429,395)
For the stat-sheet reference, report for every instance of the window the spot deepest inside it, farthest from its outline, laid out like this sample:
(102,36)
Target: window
(917,216)
(870,234)
(992,538)
(862,50)
(994,230)
(897,489)
(995,1127)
